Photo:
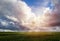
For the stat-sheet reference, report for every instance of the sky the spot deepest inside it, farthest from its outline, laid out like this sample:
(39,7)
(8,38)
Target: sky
(30,15)
(38,4)
(33,2)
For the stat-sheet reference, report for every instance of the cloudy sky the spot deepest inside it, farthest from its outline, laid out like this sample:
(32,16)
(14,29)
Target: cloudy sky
(30,15)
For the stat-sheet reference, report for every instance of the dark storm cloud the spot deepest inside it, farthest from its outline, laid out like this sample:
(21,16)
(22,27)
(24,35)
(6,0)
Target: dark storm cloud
(56,13)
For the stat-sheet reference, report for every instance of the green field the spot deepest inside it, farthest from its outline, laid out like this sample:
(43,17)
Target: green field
(29,36)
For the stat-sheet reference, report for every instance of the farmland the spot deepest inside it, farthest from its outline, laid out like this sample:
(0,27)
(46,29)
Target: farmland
(29,36)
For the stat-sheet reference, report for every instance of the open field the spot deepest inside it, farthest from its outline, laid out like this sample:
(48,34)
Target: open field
(29,36)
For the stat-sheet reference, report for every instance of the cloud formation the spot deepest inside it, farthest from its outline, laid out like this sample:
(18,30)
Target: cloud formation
(49,11)
(43,17)
(55,14)
(14,10)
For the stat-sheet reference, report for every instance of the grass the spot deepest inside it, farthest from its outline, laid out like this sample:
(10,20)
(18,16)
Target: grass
(29,36)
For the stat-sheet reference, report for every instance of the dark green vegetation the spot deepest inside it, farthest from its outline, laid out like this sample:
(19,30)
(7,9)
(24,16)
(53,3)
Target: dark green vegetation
(29,36)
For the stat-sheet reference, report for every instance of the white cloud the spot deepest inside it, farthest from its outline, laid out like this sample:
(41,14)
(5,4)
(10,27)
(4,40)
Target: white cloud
(12,18)
(4,23)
